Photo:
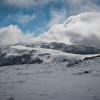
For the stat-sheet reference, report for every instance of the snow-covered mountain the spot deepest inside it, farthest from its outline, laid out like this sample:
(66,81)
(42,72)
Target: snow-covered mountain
(62,80)
(40,52)
(49,71)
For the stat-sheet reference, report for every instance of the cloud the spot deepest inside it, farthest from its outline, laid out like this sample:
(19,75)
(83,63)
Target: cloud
(20,18)
(87,5)
(76,6)
(26,3)
(57,16)
(82,29)
(12,35)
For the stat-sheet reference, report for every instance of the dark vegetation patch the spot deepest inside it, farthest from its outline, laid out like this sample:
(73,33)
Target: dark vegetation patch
(20,59)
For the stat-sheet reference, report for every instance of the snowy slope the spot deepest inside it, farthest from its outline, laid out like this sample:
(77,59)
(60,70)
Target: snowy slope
(75,49)
(51,81)
(35,73)
(42,53)
(19,54)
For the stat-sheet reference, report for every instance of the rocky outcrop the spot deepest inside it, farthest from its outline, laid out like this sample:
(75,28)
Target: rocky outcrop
(17,60)
(75,49)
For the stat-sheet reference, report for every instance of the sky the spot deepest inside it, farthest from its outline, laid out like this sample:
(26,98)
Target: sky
(24,19)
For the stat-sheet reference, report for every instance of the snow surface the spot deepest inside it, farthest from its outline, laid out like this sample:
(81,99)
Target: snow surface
(51,81)
(55,55)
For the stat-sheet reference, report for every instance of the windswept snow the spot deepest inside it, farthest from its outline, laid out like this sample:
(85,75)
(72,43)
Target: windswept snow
(54,54)
(52,81)
(25,54)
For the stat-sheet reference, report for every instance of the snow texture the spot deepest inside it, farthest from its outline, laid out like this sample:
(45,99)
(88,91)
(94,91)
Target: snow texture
(61,75)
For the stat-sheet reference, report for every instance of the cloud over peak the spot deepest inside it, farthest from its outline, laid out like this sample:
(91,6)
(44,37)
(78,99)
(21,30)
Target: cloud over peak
(82,29)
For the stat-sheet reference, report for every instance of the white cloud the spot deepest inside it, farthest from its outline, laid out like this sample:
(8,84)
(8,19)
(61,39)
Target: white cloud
(79,6)
(20,3)
(82,29)
(20,18)
(12,35)
(75,5)
(25,3)
(57,17)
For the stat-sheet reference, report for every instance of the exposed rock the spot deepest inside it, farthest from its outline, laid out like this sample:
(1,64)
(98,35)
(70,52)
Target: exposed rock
(21,59)
(75,49)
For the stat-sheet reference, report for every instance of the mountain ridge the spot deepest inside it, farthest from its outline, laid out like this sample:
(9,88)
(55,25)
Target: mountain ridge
(43,53)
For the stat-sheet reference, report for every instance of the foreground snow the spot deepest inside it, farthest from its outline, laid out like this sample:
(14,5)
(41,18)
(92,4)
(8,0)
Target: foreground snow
(51,81)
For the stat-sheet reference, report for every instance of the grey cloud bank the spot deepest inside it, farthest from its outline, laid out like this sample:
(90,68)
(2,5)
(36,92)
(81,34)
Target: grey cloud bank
(81,29)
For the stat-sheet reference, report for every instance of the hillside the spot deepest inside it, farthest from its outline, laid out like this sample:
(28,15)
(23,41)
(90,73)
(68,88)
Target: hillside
(41,52)
(51,81)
